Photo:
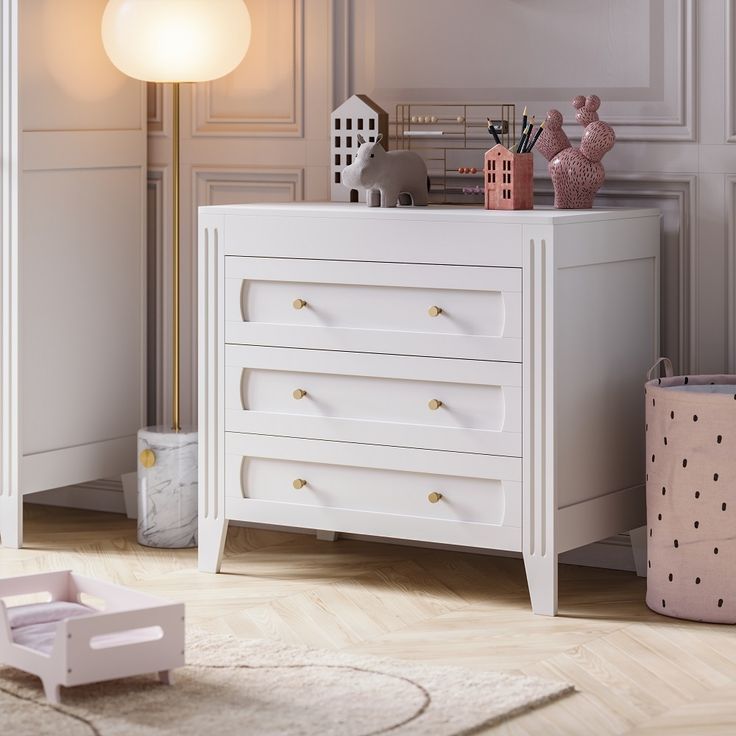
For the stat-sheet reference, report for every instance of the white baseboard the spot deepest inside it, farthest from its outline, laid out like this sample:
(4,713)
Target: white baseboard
(614,553)
(98,495)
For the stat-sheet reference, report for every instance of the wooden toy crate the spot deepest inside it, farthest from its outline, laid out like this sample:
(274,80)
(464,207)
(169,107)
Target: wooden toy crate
(86,630)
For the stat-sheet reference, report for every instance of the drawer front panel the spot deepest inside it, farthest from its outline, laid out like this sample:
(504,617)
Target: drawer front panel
(383,236)
(296,479)
(433,403)
(375,307)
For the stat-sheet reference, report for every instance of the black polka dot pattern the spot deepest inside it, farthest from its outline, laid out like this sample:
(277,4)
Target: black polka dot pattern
(691,474)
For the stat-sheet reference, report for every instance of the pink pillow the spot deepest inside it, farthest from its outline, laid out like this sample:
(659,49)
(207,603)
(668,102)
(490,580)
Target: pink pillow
(45,613)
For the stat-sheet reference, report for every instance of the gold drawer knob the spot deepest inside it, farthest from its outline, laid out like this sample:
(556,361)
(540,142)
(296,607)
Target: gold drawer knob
(299,483)
(434,404)
(435,311)
(299,393)
(147,458)
(298,304)
(434,497)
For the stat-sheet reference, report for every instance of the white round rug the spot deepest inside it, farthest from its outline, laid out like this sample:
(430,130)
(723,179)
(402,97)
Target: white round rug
(269,689)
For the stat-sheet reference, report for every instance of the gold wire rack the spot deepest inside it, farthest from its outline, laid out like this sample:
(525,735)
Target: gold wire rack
(452,139)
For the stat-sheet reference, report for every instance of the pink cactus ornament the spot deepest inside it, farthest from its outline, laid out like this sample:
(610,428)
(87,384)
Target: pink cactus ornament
(577,173)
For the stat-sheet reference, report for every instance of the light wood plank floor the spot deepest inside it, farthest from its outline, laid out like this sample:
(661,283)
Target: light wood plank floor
(636,672)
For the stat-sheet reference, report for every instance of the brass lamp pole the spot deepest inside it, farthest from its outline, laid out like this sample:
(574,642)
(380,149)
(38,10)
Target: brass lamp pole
(176,276)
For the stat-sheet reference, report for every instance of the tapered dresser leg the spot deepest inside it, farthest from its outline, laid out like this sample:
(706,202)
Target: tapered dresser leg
(212,535)
(327,536)
(541,576)
(11,520)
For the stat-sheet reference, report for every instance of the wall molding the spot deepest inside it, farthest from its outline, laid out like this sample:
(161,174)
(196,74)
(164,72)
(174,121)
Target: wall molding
(730,325)
(341,68)
(155,106)
(205,122)
(159,288)
(730,77)
(271,180)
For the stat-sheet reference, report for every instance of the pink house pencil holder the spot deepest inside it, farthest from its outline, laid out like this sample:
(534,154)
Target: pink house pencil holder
(508,179)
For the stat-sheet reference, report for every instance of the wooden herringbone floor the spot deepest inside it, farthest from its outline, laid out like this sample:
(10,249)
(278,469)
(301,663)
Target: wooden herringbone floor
(636,672)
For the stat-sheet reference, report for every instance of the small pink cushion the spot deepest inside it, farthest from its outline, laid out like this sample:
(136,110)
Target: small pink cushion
(36,636)
(34,625)
(45,613)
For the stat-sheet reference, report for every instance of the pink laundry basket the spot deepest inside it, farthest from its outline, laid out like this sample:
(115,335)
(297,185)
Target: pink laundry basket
(691,495)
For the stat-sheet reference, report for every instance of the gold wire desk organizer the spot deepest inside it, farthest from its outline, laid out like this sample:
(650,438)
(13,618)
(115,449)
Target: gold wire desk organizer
(453,139)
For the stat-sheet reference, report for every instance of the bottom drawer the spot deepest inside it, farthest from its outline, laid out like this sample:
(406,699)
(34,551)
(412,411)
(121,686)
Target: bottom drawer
(447,497)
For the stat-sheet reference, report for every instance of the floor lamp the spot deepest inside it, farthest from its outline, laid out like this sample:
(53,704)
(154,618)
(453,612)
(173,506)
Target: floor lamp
(173,41)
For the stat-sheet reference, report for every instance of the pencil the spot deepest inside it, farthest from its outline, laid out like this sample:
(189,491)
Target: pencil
(492,131)
(537,134)
(528,136)
(522,141)
(523,121)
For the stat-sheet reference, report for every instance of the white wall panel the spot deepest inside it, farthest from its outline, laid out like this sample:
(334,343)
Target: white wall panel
(637,55)
(68,81)
(263,96)
(80,307)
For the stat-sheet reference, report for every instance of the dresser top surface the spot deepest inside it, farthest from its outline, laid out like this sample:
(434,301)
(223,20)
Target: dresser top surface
(537,216)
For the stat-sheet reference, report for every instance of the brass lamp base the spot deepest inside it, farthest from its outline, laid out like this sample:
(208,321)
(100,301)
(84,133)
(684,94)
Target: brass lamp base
(167,487)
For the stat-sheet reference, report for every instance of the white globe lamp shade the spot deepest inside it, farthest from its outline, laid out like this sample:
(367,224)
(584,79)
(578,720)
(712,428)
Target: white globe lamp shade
(176,40)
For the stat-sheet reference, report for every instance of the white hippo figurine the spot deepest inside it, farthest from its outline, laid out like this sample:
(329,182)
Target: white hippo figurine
(390,177)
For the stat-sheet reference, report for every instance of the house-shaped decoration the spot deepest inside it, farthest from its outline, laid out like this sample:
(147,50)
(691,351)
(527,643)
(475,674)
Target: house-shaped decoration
(508,179)
(358,114)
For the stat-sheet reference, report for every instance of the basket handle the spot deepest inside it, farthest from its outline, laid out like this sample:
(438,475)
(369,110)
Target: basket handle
(667,368)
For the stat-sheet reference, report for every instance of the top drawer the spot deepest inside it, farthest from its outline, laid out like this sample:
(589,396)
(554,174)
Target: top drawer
(384,235)
(405,309)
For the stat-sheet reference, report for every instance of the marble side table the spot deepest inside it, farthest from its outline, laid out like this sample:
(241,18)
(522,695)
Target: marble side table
(167,487)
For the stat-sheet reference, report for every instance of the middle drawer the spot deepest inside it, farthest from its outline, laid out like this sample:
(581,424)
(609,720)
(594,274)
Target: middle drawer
(404,401)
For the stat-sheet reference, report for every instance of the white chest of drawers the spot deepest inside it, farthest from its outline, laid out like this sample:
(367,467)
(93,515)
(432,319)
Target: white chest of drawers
(444,375)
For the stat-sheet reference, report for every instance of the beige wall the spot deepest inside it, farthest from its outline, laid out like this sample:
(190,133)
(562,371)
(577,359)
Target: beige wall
(660,66)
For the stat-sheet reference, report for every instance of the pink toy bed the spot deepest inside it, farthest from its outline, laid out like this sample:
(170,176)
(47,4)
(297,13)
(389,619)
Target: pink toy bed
(67,640)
